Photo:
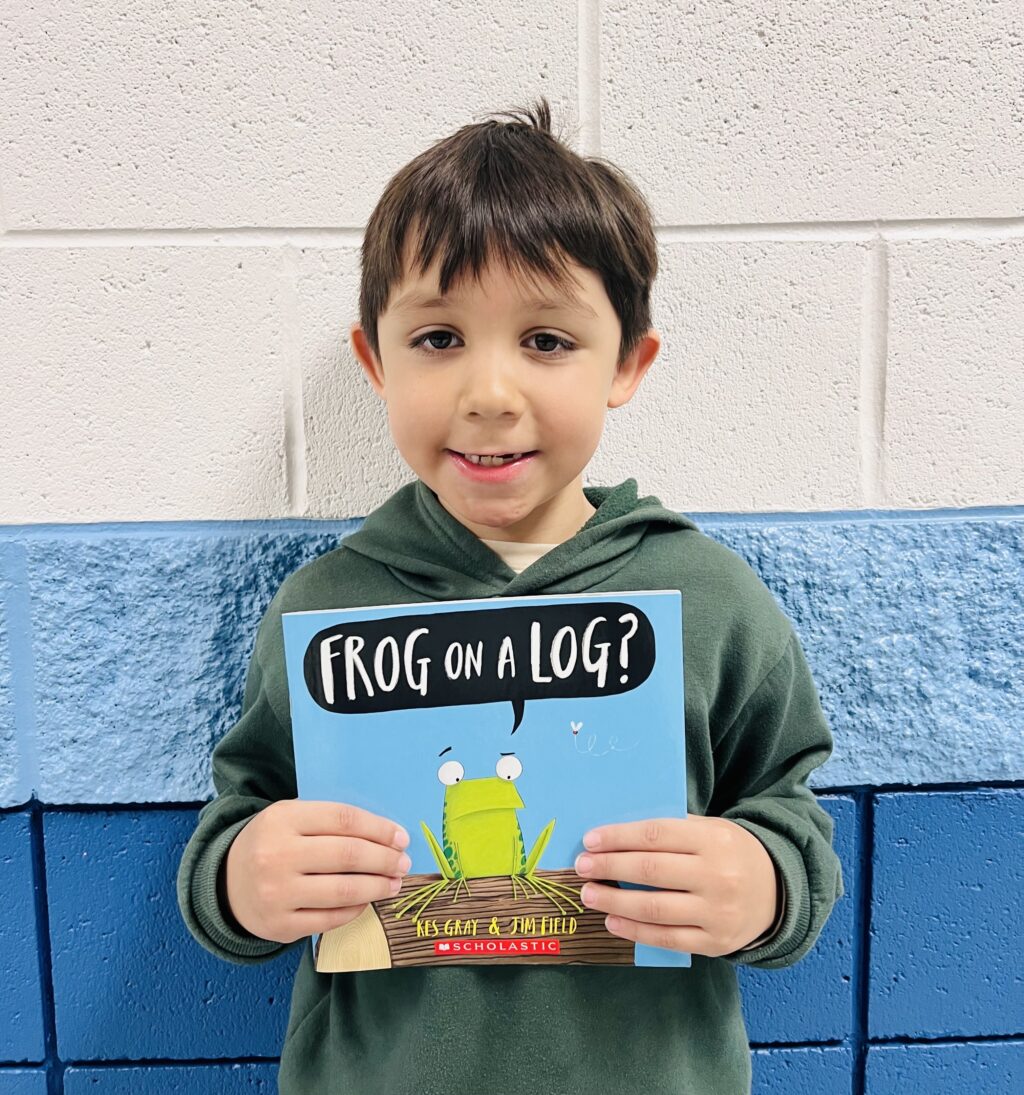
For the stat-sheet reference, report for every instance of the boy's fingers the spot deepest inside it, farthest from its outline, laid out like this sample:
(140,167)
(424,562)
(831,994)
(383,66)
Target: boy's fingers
(344,819)
(691,940)
(308,921)
(646,906)
(349,854)
(337,891)
(665,870)
(661,834)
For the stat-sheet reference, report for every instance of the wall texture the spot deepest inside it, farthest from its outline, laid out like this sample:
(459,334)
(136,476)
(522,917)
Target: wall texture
(838,398)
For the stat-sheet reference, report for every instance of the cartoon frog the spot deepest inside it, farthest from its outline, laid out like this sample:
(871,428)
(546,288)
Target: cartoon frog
(481,837)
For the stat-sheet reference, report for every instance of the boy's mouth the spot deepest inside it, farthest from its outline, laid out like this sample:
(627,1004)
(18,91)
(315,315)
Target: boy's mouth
(491,467)
(492,460)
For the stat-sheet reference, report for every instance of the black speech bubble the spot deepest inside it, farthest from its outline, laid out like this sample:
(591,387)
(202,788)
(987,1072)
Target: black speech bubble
(489,628)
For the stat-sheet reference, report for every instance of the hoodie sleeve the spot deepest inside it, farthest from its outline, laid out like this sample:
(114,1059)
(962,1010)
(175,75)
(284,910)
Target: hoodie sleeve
(253,765)
(762,762)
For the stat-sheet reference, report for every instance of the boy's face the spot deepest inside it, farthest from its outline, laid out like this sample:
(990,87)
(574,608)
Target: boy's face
(490,376)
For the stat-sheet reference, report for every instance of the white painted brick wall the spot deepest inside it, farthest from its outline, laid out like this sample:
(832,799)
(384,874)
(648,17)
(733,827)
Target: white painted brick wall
(839,191)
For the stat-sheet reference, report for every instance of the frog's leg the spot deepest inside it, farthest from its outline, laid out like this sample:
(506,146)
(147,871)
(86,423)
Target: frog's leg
(555,892)
(423,896)
(460,874)
(518,855)
(538,848)
(442,859)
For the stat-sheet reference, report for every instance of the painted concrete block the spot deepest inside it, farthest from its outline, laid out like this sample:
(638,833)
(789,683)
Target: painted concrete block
(874,117)
(22,1081)
(129,981)
(228,1079)
(752,401)
(812,1001)
(13,789)
(947,938)
(912,632)
(815,1070)
(21,998)
(736,428)
(352,465)
(142,643)
(954,393)
(135,118)
(141,640)
(164,384)
(970,1068)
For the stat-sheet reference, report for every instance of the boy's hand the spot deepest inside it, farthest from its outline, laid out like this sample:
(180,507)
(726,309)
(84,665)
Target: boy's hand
(715,882)
(302,867)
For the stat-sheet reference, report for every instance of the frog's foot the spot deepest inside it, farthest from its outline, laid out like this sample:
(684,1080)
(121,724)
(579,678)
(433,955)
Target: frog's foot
(555,892)
(463,883)
(420,898)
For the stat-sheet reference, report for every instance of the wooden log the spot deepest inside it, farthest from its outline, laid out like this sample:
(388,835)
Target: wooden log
(479,922)
(359,945)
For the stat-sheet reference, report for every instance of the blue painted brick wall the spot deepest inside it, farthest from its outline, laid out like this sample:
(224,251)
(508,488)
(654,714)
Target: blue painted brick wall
(22,1081)
(977,1068)
(122,654)
(813,1000)
(810,1070)
(141,643)
(128,981)
(227,1079)
(21,996)
(133,645)
(947,920)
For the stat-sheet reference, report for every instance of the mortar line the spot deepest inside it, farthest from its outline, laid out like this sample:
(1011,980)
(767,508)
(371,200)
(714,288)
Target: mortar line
(861,966)
(874,343)
(108,1063)
(820,792)
(946,1039)
(291,381)
(978,229)
(44,952)
(757,519)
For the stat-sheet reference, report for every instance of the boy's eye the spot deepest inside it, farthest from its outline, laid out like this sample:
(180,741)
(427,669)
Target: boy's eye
(544,346)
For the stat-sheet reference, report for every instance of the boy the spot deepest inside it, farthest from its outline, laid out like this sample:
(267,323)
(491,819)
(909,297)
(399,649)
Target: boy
(496,399)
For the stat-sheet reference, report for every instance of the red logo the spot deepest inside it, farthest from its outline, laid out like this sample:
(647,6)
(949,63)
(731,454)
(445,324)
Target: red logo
(451,947)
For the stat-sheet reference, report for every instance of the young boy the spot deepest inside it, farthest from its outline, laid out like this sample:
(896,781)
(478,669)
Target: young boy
(496,397)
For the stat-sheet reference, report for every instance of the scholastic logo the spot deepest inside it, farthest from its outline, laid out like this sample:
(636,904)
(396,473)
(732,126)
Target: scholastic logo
(497,946)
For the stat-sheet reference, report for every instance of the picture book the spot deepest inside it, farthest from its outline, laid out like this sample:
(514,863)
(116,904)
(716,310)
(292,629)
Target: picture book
(497,732)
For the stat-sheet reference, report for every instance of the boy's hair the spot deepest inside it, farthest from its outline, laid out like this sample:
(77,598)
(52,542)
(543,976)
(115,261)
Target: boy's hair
(514,187)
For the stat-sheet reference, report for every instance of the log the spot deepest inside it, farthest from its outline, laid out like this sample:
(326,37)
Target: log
(358,945)
(466,922)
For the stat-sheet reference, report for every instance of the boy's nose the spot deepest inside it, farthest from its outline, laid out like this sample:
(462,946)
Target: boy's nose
(491,388)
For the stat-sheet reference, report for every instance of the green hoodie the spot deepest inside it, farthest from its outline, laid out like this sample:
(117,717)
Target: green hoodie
(754,730)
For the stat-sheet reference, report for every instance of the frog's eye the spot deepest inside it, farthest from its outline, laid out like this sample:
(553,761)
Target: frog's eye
(450,772)
(509,767)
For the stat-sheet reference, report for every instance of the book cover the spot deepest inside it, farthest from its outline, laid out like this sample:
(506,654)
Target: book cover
(497,732)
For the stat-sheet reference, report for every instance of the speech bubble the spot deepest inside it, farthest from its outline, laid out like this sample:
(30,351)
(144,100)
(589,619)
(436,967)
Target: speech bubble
(448,659)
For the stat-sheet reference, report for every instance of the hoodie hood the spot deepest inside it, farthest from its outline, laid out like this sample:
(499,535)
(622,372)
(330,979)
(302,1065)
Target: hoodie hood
(431,552)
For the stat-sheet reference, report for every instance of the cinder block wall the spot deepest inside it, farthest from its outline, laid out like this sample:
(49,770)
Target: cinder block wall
(838,398)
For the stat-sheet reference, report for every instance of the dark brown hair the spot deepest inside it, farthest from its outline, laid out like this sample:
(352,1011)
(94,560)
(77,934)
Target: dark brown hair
(516,188)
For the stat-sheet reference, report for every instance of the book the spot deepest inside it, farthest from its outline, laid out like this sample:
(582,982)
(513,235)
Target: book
(497,731)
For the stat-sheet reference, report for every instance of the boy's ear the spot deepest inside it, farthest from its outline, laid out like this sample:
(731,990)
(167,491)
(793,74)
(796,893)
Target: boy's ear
(364,355)
(629,374)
